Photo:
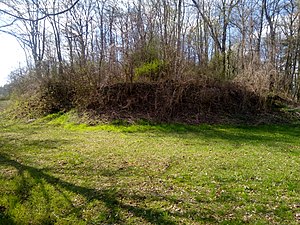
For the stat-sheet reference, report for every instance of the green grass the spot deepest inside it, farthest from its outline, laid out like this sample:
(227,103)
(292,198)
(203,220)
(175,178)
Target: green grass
(53,171)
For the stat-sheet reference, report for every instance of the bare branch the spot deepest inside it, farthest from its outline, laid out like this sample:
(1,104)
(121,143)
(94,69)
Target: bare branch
(40,18)
(206,20)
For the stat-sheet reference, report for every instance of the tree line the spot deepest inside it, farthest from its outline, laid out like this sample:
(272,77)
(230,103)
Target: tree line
(91,43)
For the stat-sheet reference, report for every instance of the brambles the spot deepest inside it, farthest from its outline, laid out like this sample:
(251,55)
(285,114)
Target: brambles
(188,102)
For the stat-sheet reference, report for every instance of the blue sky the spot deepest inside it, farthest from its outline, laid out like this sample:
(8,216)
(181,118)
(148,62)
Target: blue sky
(11,56)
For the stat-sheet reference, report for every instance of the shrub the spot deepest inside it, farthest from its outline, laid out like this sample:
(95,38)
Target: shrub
(152,70)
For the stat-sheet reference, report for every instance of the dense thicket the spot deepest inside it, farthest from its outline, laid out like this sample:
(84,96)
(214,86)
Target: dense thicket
(76,49)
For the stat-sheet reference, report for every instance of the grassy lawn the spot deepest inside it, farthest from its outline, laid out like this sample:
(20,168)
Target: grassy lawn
(59,173)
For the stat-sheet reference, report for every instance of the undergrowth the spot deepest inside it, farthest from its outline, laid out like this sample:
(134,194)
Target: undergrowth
(169,101)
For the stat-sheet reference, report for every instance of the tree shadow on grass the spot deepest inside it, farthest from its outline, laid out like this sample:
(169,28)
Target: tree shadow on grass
(277,137)
(23,143)
(110,197)
(6,220)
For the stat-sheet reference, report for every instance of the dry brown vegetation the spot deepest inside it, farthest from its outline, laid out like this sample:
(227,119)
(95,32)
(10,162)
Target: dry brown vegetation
(175,101)
(181,61)
(191,102)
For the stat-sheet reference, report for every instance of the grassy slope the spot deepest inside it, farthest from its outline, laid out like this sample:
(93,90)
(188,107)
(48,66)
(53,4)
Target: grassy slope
(50,173)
